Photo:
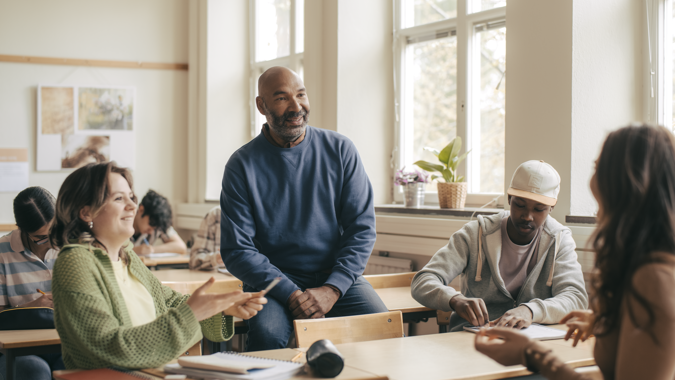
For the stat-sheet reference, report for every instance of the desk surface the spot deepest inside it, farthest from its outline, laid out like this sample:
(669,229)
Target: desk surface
(442,356)
(167,276)
(182,259)
(28,338)
(398,298)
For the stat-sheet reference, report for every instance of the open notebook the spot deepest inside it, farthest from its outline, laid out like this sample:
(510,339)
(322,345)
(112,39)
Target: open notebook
(226,365)
(535,331)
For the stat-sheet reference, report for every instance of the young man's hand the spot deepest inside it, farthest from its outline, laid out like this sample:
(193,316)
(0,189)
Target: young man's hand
(313,302)
(518,318)
(471,309)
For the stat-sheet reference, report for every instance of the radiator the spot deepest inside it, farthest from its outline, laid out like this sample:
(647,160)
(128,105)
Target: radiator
(383,265)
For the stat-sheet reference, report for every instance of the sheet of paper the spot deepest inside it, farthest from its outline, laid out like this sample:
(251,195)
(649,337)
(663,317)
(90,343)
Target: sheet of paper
(13,169)
(535,331)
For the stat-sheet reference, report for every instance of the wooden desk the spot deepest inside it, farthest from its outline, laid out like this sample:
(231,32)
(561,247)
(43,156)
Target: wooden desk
(182,260)
(15,343)
(445,356)
(187,281)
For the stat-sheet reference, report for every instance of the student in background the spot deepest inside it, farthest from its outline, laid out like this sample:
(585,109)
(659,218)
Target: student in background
(110,309)
(205,252)
(632,302)
(26,262)
(520,266)
(153,221)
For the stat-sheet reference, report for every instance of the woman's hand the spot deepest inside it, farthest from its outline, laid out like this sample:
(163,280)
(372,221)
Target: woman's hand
(249,309)
(205,305)
(508,350)
(579,324)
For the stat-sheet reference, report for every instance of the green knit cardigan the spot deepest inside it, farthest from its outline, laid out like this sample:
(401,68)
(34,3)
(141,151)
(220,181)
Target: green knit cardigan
(92,320)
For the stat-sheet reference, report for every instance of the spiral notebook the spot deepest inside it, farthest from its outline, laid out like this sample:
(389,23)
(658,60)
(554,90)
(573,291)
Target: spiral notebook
(229,365)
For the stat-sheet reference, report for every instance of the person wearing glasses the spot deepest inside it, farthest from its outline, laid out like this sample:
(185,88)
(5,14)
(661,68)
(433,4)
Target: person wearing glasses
(26,262)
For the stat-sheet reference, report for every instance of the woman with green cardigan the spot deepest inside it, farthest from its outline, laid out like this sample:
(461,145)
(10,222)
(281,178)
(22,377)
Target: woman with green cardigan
(109,309)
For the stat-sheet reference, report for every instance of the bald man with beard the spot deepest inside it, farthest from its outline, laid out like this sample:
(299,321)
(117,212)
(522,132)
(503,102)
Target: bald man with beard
(297,204)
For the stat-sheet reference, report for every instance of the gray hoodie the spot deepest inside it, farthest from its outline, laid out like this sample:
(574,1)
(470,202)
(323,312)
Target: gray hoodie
(550,291)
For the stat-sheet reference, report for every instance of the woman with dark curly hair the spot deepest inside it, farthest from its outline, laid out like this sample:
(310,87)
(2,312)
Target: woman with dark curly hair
(632,303)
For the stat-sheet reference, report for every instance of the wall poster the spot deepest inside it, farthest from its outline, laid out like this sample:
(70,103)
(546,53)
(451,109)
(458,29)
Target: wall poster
(78,125)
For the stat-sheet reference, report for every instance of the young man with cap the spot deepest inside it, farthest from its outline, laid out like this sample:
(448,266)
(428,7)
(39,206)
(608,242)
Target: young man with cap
(519,266)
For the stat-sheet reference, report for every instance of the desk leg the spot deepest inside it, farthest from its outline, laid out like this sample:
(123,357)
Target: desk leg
(9,364)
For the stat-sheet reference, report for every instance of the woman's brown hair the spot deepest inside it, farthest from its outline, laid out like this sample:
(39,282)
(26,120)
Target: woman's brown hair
(86,186)
(635,184)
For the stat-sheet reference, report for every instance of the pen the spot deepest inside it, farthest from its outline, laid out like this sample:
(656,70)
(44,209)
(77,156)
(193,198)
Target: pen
(298,356)
(145,240)
(41,292)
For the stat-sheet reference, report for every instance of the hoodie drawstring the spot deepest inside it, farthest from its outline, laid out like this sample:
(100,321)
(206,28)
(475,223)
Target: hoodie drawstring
(555,255)
(480,257)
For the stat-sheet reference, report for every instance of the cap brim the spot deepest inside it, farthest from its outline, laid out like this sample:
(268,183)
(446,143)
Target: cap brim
(548,201)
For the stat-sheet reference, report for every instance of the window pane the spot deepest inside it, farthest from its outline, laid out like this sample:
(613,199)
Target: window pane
(492,114)
(299,26)
(483,5)
(418,12)
(432,77)
(273,20)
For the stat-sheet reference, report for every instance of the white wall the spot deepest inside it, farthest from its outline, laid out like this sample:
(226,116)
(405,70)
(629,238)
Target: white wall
(149,30)
(606,83)
(539,93)
(365,92)
(348,74)
(224,86)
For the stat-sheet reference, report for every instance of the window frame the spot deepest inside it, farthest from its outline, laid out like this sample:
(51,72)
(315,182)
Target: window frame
(293,61)
(463,27)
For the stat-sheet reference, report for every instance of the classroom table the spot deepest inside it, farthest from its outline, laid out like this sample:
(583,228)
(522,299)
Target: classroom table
(181,261)
(450,356)
(15,343)
(395,298)
(438,356)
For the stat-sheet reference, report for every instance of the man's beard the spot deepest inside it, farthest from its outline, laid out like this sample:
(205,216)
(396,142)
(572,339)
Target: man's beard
(278,124)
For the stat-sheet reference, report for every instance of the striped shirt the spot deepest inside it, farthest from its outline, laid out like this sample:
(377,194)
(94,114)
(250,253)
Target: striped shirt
(22,272)
(207,242)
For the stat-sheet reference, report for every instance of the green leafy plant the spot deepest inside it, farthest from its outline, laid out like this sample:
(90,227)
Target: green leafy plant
(449,158)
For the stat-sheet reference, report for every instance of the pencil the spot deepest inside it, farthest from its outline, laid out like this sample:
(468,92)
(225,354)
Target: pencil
(41,292)
(298,356)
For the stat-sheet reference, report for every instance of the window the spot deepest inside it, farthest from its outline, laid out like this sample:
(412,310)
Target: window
(277,39)
(451,81)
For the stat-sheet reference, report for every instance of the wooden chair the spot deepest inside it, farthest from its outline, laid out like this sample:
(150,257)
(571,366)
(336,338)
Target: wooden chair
(394,280)
(357,328)
(195,350)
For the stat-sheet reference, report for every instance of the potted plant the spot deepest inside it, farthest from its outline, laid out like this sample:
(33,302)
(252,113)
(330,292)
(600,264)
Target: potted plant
(413,186)
(452,192)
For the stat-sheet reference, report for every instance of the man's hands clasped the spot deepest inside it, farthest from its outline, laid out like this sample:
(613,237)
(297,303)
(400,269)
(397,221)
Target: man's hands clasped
(313,302)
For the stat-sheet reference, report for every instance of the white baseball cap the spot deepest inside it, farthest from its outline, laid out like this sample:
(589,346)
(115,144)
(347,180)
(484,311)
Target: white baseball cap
(536,180)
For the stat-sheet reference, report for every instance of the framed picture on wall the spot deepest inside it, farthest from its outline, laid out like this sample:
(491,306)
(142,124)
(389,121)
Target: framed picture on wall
(78,125)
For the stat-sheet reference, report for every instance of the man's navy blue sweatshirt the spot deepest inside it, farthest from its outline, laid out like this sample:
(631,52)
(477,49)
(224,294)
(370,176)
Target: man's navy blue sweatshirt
(306,209)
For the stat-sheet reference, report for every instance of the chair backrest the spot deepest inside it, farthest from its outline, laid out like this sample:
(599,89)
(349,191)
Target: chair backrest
(195,350)
(357,328)
(394,280)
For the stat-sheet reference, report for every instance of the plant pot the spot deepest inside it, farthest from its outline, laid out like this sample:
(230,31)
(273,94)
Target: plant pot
(413,194)
(452,195)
